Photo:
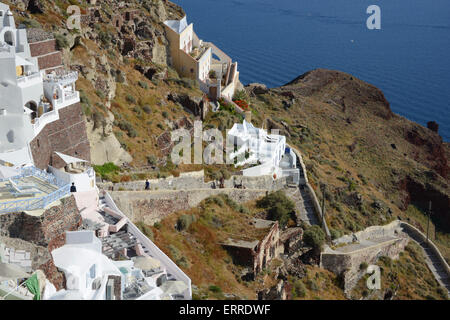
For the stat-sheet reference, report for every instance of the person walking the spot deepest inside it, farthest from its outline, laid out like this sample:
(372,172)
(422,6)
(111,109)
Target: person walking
(73,188)
(147,185)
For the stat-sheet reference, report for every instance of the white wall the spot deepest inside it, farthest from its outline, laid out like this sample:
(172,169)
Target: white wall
(83,181)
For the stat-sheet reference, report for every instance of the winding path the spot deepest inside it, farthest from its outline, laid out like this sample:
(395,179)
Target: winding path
(433,258)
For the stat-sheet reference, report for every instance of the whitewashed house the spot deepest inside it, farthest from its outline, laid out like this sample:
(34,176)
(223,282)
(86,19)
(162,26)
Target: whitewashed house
(254,146)
(29,98)
(90,275)
(193,58)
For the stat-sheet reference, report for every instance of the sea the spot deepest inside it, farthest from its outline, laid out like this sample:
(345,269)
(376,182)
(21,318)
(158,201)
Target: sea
(275,41)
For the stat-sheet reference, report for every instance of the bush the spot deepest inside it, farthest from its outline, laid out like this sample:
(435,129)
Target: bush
(130,98)
(147,109)
(145,229)
(106,169)
(143,84)
(61,42)
(151,160)
(314,237)
(165,114)
(363,266)
(215,289)
(185,221)
(299,289)
(240,95)
(278,206)
(126,126)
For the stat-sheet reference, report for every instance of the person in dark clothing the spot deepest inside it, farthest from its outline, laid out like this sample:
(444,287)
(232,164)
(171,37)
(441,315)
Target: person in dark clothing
(147,185)
(73,188)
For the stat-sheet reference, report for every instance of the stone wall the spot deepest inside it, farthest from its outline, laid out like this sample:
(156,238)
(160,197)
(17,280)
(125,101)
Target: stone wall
(43,47)
(268,248)
(42,234)
(392,241)
(195,180)
(152,206)
(66,135)
(46,53)
(348,264)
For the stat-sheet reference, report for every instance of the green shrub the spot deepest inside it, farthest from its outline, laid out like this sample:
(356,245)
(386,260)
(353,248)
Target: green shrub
(279,207)
(143,84)
(240,95)
(126,126)
(165,114)
(215,289)
(130,99)
(145,229)
(313,285)
(363,266)
(106,169)
(29,23)
(61,42)
(298,289)
(185,221)
(147,109)
(314,237)
(151,160)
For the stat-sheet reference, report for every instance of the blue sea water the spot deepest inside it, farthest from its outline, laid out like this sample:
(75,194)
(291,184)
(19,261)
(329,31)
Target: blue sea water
(274,41)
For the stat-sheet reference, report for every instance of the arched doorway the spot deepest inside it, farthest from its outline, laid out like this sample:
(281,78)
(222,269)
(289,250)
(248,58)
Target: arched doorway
(33,107)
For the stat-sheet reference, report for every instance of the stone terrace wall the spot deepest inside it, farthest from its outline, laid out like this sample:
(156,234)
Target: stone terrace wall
(152,206)
(392,229)
(196,180)
(67,135)
(47,230)
(349,263)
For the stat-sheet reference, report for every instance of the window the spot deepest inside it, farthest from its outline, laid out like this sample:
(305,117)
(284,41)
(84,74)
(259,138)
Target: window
(92,272)
(9,39)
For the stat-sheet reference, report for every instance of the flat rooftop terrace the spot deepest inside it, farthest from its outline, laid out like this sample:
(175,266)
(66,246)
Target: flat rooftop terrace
(25,188)
(32,190)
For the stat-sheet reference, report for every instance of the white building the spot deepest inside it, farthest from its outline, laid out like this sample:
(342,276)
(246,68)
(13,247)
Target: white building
(29,98)
(91,275)
(195,59)
(254,146)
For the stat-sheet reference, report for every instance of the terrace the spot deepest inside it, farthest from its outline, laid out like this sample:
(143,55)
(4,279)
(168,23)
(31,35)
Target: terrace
(32,189)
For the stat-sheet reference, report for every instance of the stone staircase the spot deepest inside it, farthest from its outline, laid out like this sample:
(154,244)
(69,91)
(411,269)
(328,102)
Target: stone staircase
(433,262)
(101,207)
(303,205)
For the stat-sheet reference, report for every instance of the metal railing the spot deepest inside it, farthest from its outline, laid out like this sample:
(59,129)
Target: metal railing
(36,202)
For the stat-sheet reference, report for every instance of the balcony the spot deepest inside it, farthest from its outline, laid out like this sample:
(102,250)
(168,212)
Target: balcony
(63,78)
(29,79)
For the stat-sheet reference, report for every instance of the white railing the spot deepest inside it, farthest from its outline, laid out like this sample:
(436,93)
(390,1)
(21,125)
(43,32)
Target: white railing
(171,267)
(65,77)
(68,99)
(25,79)
(43,120)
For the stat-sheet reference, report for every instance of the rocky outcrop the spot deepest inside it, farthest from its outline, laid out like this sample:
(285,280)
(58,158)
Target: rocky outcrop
(104,145)
(421,194)
(194,104)
(352,95)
